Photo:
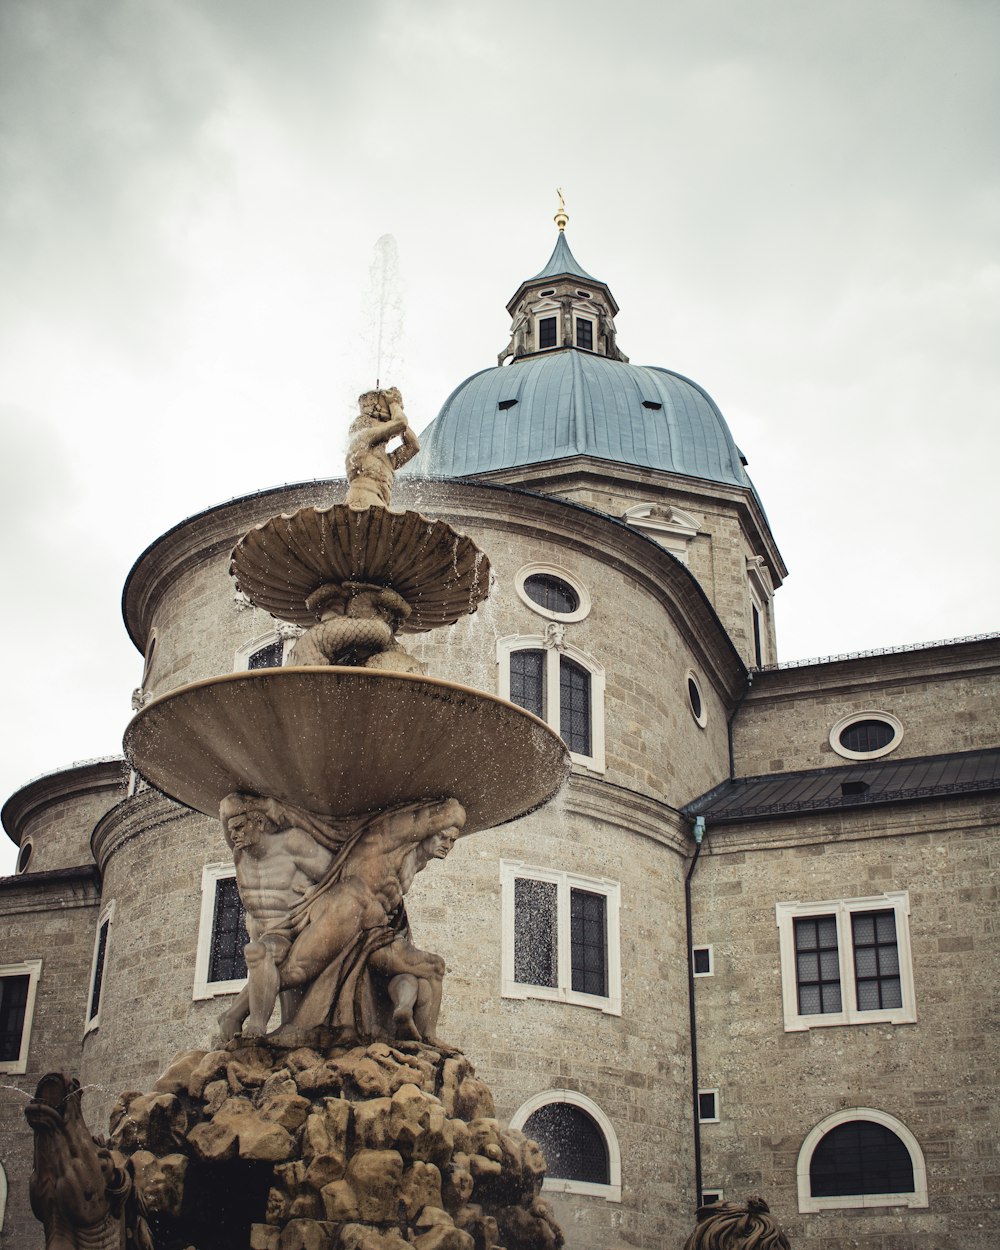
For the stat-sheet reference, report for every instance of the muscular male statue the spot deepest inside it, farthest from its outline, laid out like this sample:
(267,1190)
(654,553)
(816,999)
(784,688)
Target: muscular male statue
(323,906)
(371,468)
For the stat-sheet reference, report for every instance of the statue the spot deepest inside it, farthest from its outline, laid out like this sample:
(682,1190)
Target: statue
(83,1194)
(324,909)
(732,1226)
(371,467)
(357,626)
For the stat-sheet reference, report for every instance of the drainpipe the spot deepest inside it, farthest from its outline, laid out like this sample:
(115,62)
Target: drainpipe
(699,833)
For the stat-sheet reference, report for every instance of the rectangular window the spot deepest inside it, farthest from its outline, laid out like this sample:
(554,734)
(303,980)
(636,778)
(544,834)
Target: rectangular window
(708,1196)
(574,706)
(18,983)
(846,962)
(99,966)
(546,332)
(560,937)
(527,681)
(585,333)
(758,648)
(703,962)
(220,966)
(708,1106)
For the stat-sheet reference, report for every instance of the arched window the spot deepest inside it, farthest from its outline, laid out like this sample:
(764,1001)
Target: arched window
(561,685)
(578,1140)
(861,1158)
(265,651)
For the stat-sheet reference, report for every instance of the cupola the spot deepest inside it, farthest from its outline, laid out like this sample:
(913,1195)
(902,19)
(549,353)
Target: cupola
(562,306)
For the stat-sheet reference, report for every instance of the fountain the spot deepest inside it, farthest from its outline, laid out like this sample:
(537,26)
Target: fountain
(348,1125)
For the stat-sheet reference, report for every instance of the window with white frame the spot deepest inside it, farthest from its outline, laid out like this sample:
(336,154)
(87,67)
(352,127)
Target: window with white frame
(99,965)
(18,985)
(220,966)
(578,1140)
(708,1106)
(265,651)
(560,937)
(846,961)
(860,1157)
(703,961)
(548,676)
(547,329)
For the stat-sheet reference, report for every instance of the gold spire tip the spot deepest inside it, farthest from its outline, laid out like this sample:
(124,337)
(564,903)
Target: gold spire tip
(561,217)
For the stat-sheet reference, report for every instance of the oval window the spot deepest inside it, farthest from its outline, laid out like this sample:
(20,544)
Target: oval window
(551,593)
(866,735)
(696,701)
(25,856)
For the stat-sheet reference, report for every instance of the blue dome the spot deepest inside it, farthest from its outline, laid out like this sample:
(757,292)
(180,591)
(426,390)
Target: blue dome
(572,403)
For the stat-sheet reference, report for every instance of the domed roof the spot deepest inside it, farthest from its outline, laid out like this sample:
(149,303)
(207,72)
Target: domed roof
(571,402)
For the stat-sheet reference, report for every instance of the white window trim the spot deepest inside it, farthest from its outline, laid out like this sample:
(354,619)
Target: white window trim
(107,916)
(711,1194)
(760,602)
(203,987)
(595,761)
(552,570)
(32,968)
(612,1192)
(702,946)
(701,720)
(510,870)
(671,527)
(869,714)
(241,659)
(843,909)
(709,1119)
(918,1197)
(583,315)
(543,313)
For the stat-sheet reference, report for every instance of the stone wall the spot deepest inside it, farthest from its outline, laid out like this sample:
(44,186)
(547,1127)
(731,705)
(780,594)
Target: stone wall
(938,1075)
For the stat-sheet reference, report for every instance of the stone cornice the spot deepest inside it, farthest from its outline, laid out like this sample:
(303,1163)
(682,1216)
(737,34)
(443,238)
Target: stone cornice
(149,809)
(59,889)
(634,812)
(462,503)
(63,785)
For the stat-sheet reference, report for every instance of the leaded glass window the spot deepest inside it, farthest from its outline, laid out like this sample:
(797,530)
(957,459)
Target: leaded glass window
(229,934)
(574,706)
(572,1142)
(588,927)
(546,332)
(552,593)
(860,1157)
(585,333)
(867,736)
(267,657)
(527,680)
(817,965)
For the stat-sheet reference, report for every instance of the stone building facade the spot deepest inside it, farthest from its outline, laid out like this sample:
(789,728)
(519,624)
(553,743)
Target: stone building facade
(734,955)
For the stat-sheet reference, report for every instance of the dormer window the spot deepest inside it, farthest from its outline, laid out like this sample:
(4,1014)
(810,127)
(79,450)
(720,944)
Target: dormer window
(546,332)
(585,333)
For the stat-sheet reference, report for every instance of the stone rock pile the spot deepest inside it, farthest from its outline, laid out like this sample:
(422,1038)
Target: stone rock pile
(378,1147)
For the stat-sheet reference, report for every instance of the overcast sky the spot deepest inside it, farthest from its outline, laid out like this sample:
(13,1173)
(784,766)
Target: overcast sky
(795,204)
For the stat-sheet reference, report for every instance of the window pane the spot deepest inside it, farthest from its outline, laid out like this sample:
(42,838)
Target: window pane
(13,1004)
(702,960)
(817,965)
(589,942)
(574,706)
(102,950)
(229,934)
(706,1106)
(867,735)
(267,657)
(573,1144)
(535,944)
(527,680)
(551,593)
(585,333)
(876,960)
(547,332)
(860,1157)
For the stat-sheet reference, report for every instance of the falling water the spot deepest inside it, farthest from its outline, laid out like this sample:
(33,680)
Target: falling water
(385,314)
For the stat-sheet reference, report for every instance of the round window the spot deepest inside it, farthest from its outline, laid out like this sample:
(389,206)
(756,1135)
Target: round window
(553,593)
(866,735)
(696,701)
(24,856)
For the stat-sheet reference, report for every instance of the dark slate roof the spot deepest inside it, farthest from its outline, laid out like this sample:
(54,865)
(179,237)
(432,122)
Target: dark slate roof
(856,785)
(562,261)
(570,403)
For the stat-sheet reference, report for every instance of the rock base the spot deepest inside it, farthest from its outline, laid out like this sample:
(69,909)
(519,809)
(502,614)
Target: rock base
(262,1146)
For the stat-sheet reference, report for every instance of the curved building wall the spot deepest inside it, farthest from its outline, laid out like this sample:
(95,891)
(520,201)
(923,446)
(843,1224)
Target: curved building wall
(57,813)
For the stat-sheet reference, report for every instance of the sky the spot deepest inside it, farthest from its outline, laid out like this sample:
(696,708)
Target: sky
(795,204)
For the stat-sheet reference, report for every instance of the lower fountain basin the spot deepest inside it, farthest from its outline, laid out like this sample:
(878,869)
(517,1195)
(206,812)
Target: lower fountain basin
(344,741)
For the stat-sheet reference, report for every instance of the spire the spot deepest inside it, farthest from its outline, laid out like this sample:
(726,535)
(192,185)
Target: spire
(562,217)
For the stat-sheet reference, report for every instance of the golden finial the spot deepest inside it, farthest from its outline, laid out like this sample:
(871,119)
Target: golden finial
(562,217)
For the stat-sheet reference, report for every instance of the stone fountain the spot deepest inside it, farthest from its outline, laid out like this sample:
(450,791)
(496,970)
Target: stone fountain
(327,1114)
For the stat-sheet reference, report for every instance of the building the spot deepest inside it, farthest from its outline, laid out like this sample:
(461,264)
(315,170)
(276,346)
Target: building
(736,954)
